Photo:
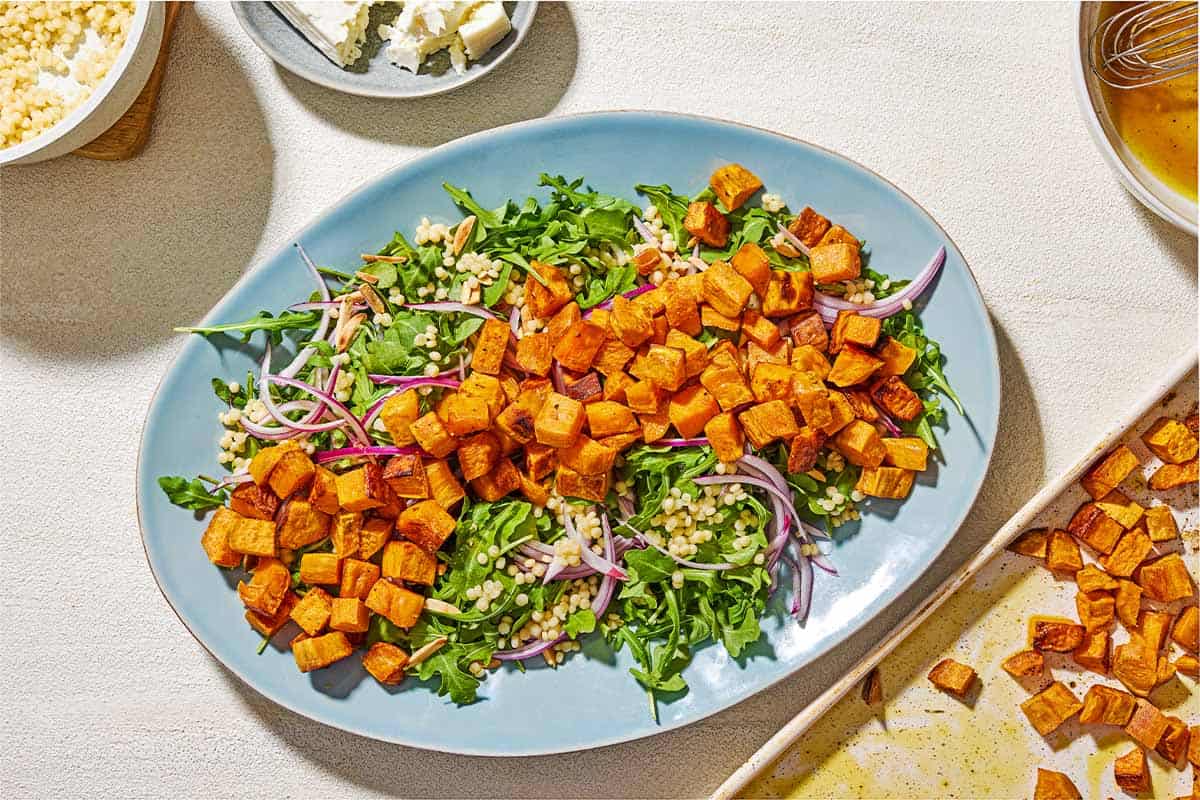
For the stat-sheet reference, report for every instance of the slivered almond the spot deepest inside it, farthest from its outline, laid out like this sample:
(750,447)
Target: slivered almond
(784,248)
(440,607)
(372,298)
(366,277)
(462,233)
(371,259)
(426,651)
(346,332)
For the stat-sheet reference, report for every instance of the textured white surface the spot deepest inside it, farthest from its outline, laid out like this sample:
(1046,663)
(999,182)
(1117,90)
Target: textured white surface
(968,108)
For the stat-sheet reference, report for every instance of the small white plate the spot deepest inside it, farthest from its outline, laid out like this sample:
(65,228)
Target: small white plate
(373,75)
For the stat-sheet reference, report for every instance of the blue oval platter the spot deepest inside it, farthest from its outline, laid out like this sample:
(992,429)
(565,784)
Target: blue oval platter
(597,701)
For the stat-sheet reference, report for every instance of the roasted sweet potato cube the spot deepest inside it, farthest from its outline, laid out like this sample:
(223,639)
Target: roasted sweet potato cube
(426,523)
(444,488)
(215,539)
(374,534)
(806,358)
(269,625)
(760,330)
(545,299)
(1147,725)
(1188,665)
(809,227)
(607,418)
(265,460)
(258,502)
(653,301)
(361,489)
(725,289)
(752,263)
(653,426)
(682,312)
(586,390)
(893,396)
(734,185)
(707,224)
(1135,665)
(1131,772)
(861,444)
(725,436)
(570,483)
(1165,579)
(406,475)
(1171,441)
(1106,706)
(478,454)
(292,473)
(897,357)
(804,449)
(1153,627)
(691,409)
(1095,528)
(270,583)
(695,354)
(1096,609)
(1051,707)
(432,436)
(906,452)
(253,537)
(644,397)
(1062,554)
(535,353)
(1124,511)
(1172,476)
(1132,548)
(402,607)
(1090,579)
(540,460)
(319,652)
(788,293)
(864,407)
(612,357)
(814,401)
(1033,542)
(853,366)
(578,347)
(1164,671)
(465,414)
(853,328)
(834,262)
(630,322)
(837,233)
(953,677)
(322,568)
(349,615)
(399,412)
(807,328)
(313,610)
(1056,637)
(490,346)
(1092,652)
(587,457)
(322,492)
(619,441)
(1108,473)
(517,422)
(1186,632)
(668,366)
(1174,741)
(408,561)
(1053,785)
(358,577)
(711,318)
(724,381)
(567,317)
(768,422)
(888,482)
(559,421)
(772,382)
(385,662)
(1160,524)
(344,533)
(301,525)
(1025,664)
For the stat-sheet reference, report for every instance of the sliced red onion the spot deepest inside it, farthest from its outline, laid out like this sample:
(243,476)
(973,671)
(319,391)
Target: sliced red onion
(829,305)
(598,563)
(758,482)
(697,442)
(528,651)
(889,423)
(321,305)
(696,250)
(356,428)
(446,306)
(823,562)
(304,355)
(413,381)
(326,456)
(802,587)
(462,368)
(632,293)
(234,480)
(645,232)
(273,433)
(767,469)
(717,567)
(626,505)
(514,320)
(794,240)
(813,532)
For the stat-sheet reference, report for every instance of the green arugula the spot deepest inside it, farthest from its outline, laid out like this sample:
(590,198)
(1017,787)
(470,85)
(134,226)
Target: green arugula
(262,321)
(192,495)
(926,376)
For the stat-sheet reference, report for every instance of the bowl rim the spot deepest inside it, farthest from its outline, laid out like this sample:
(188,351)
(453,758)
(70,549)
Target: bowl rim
(474,71)
(137,31)
(904,586)
(1091,117)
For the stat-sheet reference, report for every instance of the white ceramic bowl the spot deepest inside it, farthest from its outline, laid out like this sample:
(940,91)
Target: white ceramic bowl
(1157,196)
(111,99)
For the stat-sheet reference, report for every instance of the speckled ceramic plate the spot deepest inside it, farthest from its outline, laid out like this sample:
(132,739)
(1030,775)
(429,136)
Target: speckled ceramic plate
(589,701)
(373,75)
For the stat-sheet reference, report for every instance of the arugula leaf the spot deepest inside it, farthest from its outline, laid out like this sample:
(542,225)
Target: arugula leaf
(262,321)
(582,621)
(463,198)
(386,273)
(671,206)
(926,376)
(221,390)
(192,495)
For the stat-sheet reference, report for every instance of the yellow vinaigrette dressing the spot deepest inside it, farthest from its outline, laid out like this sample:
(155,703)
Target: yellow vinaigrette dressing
(1158,124)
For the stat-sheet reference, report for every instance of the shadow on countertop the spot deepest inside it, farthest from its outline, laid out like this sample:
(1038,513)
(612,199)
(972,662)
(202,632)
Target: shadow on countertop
(526,86)
(1181,245)
(99,259)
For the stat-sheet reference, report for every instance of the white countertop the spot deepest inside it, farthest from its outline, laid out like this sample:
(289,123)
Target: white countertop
(970,109)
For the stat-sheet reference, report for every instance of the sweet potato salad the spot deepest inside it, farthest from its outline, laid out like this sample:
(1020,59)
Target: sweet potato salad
(566,416)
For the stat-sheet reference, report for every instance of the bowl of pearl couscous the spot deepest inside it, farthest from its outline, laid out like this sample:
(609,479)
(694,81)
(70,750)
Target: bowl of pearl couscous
(69,70)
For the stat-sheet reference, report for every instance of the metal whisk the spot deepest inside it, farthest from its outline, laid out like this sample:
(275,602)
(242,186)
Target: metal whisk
(1145,44)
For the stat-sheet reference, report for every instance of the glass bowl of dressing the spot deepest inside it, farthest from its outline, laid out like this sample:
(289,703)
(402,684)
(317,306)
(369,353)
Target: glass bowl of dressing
(1147,134)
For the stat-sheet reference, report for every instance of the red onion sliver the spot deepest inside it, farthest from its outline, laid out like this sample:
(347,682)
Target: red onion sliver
(758,482)
(326,456)
(889,423)
(632,293)
(794,240)
(336,407)
(641,228)
(829,305)
(514,320)
(477,311)
(598,563)
(698,442)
